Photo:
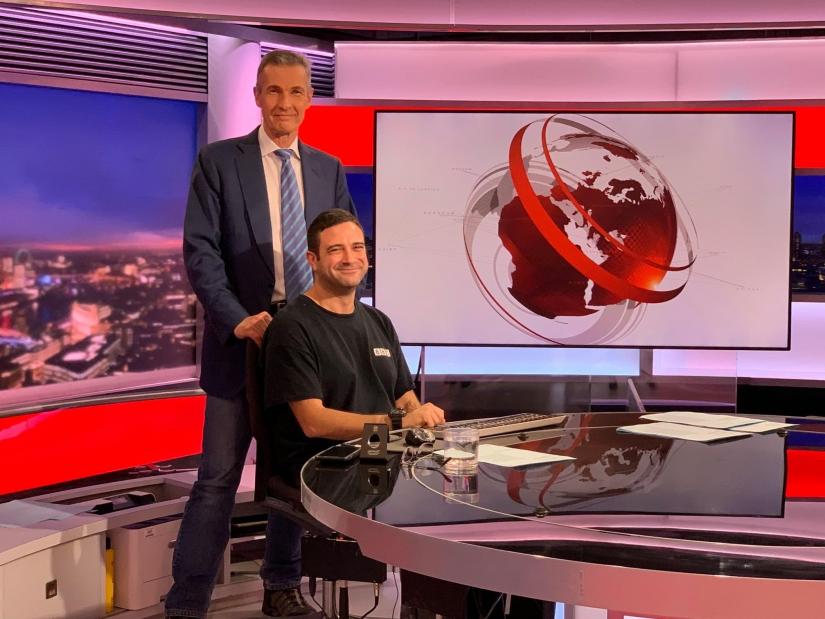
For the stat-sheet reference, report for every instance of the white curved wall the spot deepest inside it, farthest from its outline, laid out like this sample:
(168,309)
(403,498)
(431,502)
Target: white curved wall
(484,14)
(740,70)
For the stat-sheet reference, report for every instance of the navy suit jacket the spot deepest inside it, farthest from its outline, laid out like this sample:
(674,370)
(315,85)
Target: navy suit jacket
(227,244)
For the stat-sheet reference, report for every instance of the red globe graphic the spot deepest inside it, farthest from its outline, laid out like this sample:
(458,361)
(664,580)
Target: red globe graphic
(608,464)
(587,222)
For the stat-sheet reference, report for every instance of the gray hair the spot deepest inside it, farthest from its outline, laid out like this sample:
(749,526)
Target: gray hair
(284,58)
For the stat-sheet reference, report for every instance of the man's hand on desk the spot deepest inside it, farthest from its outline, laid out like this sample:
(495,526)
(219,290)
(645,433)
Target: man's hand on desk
(425,416)
(253,327)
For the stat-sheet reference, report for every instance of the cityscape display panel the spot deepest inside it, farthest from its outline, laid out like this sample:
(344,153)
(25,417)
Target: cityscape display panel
(93,293)
(585,229)
(360,185)
(808,244)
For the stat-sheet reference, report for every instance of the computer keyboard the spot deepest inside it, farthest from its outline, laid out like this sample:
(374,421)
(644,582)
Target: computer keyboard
(508,424)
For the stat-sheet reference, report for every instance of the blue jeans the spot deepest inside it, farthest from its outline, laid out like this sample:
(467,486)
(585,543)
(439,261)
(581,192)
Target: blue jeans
(204,530)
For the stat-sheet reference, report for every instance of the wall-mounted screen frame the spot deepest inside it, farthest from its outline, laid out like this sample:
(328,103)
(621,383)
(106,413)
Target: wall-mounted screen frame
(93,295)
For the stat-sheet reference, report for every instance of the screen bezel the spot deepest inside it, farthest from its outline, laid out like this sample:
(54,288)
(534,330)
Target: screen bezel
(584,110)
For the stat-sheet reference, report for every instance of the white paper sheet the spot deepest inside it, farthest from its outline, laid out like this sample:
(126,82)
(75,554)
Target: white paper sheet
(510,457)
(763,427)
(704,420)
(681,431)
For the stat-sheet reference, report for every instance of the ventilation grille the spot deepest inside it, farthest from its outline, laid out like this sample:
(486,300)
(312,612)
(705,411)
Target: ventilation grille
(323,69)
(90,47)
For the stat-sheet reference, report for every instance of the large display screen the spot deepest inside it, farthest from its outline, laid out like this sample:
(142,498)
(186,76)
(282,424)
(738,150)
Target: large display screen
(585,229)
(92,286)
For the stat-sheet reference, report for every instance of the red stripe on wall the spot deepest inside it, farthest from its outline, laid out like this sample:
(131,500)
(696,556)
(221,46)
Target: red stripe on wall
(51,447)
(805,474)
(348,131)
(810,135)
(342,130)
(56,446)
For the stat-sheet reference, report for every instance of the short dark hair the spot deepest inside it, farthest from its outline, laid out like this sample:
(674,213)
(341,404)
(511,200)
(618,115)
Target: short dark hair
(327,219)
(284,58)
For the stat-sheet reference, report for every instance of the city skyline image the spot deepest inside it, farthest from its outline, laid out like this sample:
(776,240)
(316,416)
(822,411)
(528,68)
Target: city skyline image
(808,241)
(809,207)
(92,195)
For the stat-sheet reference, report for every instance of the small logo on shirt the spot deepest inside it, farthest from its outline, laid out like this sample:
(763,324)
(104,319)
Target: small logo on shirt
(381,352)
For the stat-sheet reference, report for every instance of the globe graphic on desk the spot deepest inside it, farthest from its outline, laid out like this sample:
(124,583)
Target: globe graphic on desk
(607,464)
(578,223)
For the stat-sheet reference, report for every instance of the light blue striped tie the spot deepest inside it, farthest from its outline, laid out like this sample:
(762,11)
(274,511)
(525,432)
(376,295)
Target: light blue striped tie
(297,274)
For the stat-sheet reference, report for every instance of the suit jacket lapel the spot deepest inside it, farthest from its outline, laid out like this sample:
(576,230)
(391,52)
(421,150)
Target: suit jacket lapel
(253,185)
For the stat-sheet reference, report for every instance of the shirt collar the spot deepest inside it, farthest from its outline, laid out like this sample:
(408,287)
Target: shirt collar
(268,146)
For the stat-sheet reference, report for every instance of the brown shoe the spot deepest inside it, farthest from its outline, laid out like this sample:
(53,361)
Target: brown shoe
(286,603)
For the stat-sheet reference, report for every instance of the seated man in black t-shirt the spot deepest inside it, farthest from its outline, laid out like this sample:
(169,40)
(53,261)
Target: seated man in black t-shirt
(332,364)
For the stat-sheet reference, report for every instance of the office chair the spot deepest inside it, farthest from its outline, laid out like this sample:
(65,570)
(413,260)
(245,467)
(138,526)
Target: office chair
(326,555)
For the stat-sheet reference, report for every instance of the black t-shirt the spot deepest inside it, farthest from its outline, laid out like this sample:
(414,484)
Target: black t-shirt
(351,362)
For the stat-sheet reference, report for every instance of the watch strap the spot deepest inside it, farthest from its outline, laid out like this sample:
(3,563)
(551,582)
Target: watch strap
(397,418)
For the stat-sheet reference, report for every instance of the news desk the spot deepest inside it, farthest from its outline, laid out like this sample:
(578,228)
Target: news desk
(639,524)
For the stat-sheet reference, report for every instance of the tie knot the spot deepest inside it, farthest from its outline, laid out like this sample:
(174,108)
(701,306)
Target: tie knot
(284,153)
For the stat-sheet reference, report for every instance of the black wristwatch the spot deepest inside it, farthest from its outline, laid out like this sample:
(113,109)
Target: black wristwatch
(397,418)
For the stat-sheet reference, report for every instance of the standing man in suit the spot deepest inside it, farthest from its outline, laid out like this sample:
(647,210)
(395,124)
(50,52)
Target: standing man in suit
(244,244)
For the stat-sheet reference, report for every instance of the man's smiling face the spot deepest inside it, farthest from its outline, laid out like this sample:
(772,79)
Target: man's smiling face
(341,262)
(283,93)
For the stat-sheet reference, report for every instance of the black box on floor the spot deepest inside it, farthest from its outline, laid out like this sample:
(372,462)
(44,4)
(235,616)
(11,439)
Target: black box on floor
(425,597)
(339,559)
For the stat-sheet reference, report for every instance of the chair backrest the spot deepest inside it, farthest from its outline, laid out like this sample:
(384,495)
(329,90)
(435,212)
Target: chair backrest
(270,489)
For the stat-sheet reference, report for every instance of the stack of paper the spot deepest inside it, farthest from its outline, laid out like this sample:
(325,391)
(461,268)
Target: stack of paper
(703,427)
(681,431)
(722,422)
